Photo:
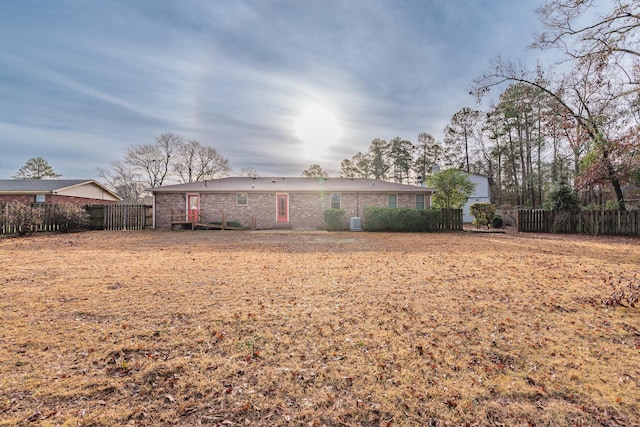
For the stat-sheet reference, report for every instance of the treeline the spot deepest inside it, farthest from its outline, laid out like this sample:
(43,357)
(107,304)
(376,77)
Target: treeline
(576,123)
(578,120)
(397,160)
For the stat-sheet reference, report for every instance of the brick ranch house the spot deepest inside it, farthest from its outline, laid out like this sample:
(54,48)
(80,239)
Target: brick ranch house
(56,191)
(269,203)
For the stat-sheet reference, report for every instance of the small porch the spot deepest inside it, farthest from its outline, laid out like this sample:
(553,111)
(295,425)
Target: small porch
(185,220)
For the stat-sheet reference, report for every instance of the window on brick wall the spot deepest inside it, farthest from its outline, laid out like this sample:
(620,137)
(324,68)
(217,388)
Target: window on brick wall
(40,198)
(242,199)
(419,201)
(335,201)
(392,200)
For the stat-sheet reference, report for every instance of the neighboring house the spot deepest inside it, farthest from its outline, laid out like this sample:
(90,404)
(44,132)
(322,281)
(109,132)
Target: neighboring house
(481,193)
(268,203)
(56,191)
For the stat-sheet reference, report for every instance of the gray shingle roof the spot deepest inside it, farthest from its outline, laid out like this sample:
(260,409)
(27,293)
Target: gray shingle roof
(292,184)
(44,185)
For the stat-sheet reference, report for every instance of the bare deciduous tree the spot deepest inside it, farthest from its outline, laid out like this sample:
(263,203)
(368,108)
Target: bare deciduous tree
(124,181)
(196,162)
(609,40)
(249,173)
(168,159)
(154,160)
(590,101)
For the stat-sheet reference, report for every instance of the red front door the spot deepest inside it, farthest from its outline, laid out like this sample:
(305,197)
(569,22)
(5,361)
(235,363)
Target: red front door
(282,202)
(193,207)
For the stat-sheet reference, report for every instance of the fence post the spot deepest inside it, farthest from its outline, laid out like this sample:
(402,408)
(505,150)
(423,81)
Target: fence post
(579,222)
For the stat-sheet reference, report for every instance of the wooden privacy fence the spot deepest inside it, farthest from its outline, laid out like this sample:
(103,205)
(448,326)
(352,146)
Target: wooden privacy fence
(101,217)
(608,222)
(451,220)
(120,217)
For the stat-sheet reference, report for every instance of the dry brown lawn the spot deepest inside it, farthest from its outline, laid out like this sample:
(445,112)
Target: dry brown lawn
(311,329)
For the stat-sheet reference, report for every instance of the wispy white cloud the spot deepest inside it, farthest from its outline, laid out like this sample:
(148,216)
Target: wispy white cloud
(105,75)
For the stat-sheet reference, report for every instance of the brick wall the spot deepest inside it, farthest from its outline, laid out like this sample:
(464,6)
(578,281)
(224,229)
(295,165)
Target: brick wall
(164,204)
(260,205)
(306,210)
(17,198)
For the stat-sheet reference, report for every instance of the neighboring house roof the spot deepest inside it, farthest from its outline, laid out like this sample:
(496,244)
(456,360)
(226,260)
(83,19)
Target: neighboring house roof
(292,184)
(63,187)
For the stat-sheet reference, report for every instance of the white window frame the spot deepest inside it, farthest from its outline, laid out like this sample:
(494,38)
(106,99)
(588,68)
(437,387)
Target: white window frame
(395,196)
(339,196)
(246,199)
(424,202)
(40,198)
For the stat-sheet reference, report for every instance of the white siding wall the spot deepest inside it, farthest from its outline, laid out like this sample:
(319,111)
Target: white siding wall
(89,191)
(481,194)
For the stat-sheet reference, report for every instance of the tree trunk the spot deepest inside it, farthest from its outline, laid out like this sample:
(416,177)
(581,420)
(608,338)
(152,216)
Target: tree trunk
(615,182)
(514,168)
(523,168)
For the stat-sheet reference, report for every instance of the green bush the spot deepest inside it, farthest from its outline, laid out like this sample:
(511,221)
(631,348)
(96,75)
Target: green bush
(454,188)
(70,217)
(22,217)
(333,219)
(432,218)
(399,219)
(561,197)
(483,213)
(612,204)
(497,222)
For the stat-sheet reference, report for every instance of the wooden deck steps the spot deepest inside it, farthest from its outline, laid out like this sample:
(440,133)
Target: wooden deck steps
(180,219)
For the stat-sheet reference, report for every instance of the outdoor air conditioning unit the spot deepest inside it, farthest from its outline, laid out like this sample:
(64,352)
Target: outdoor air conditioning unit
(355,223)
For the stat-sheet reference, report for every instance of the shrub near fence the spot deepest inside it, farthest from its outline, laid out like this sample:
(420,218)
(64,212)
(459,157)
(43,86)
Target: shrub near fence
(607,222)
(102,217)
(19,218)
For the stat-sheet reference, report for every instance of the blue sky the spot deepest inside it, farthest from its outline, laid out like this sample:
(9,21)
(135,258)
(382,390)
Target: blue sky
(82,80)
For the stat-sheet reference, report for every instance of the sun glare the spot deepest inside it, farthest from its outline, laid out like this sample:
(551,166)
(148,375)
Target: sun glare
(318,129)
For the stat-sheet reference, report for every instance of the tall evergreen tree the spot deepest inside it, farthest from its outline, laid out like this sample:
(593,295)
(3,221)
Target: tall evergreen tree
(401,159)
(379,159)
(348,169)
(457,137)
(36,168)
(428,154)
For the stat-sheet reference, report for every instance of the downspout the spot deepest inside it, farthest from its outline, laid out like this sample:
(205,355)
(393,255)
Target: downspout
(153,209)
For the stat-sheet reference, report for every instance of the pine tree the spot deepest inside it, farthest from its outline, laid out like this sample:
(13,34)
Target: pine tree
(36,168)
